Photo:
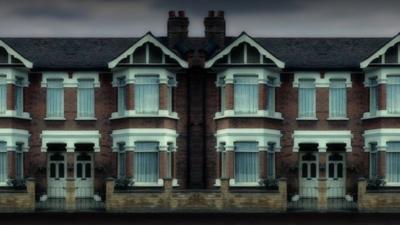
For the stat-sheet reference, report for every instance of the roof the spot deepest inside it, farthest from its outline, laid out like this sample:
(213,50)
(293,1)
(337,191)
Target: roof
(297,53)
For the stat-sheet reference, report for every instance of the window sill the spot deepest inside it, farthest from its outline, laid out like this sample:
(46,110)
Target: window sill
(380,114)
(337,118)
(55,118)
(133,114)
(159,183)
(307,118)
(14,114)
(232,183)
(85,118)
(259,114)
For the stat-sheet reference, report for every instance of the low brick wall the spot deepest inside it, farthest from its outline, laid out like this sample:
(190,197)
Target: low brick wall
(385,200)
(222,200)
(18,201)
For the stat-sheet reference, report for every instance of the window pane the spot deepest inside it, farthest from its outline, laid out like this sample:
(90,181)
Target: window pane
(246,94)
(271,95)
(393,94)
(55,98)
(331,170)
(3,162)
(61,170)
(146,167)
(373,161)
(246,162)
(88,170)
(337,99)
(52,170)
(147,94)
(19,162)
(19,96)
(373,96)
(79,170)
(307,99)
(313,170)
(304,170)
(393,162)
(86,98)
(340,170)
(121,160)
(121,95)
(3,95)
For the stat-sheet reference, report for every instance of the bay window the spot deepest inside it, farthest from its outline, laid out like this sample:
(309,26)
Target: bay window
(170,102)
(271,160)
(373,160)
(121,161)
(337,99)
(246,162)
(19,96)
(146,165)
(3,95)
(3,163)
(307,98)
(86,98)
(246,94)
(271,95)
(19,162)
(55,98)
(373,95)
(393,163)
(393,94)
(147,94)
(121,83)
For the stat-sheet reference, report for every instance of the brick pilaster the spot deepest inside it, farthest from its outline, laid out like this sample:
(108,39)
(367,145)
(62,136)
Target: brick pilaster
(163,164)
(163,96)
(263,96)
(382,97)
(130,97)
(322,164)
(11,164)
(381,164)
(10,97)
(229,103)
(129,164)
(263,164)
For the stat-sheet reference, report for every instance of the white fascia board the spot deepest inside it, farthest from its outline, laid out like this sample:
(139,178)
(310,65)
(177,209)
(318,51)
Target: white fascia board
(70,138)
(13,136)
(381,137)
(322,138)
(262,136)
(247,39)
(72,81)
(381,51)
(129,136)
(12,52)
(322,82)
(148,38)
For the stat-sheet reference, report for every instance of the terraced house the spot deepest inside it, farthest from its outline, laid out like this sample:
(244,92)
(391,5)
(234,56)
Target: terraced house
(213,123)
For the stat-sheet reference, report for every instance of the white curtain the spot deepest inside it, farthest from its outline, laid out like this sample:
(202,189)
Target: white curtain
(393,94)
(121,95)
(246,94)
(373,161)
(86,98)
(147,94)
(393,162)
(19,96)
(337,99)
(271,96)
(246,162)
(121,160)
(3,95)
(19,162)
(3,162)
(146,162)
(306,99)
(55,98)
(373,96)
(271,161)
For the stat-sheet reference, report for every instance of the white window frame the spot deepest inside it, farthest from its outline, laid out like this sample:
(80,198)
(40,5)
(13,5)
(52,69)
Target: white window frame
(78,117)
(314,117)
(331,117)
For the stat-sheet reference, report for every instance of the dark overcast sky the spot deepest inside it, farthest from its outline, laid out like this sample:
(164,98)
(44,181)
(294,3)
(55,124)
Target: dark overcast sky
(257,17)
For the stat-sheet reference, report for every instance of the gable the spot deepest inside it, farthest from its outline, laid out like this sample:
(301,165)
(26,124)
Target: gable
(8,56)
(147,50)
(388,54)
(244,50)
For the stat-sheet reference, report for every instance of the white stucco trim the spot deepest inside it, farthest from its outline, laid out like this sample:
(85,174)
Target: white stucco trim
(130,136)
(12,74)
(380,51)
(131,73)
(260,114)
(381,137)
(70,138)
(132,114)
(147,38)
(262,136)
(14,114)
(262,73)
(245,38)
(322,138)
(70,81)
(322,82)
(14,136)
(12,52)
(381,74)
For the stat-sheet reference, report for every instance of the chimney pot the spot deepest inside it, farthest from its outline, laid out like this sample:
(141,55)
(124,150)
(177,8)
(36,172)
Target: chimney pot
(211,13)
(171,14)
(220,13)
(181,13)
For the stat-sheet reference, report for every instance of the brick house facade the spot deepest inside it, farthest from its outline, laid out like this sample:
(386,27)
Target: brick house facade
(191,124)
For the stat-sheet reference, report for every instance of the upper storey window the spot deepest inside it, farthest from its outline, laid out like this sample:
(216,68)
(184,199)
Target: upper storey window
(86,98)
(373,95)
(246,94)
(337,98)
(393,94)
(147,94)
(307,99)
(55,98)
(3,95)
(121,84)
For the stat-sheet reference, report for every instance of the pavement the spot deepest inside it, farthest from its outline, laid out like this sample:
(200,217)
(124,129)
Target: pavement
(209,218)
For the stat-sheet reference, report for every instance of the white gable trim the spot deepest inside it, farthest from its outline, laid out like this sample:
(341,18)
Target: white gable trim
(247,39)
(148,38)
(380,52)
(12,52)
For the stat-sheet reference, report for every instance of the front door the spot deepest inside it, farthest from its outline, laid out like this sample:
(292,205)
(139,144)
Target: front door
(336,175)
(56,175)
(84,175)
(309,175)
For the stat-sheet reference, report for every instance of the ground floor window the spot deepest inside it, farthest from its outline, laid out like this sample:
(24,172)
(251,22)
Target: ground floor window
(121,161)
(146,162)
(393,162)
(3,162)
(271,161)
(19,162)
(246,162)
(373,160)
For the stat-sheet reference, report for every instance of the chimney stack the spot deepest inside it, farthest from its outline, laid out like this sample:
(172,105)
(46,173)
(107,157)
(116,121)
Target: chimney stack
(214,25)
(177,27)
